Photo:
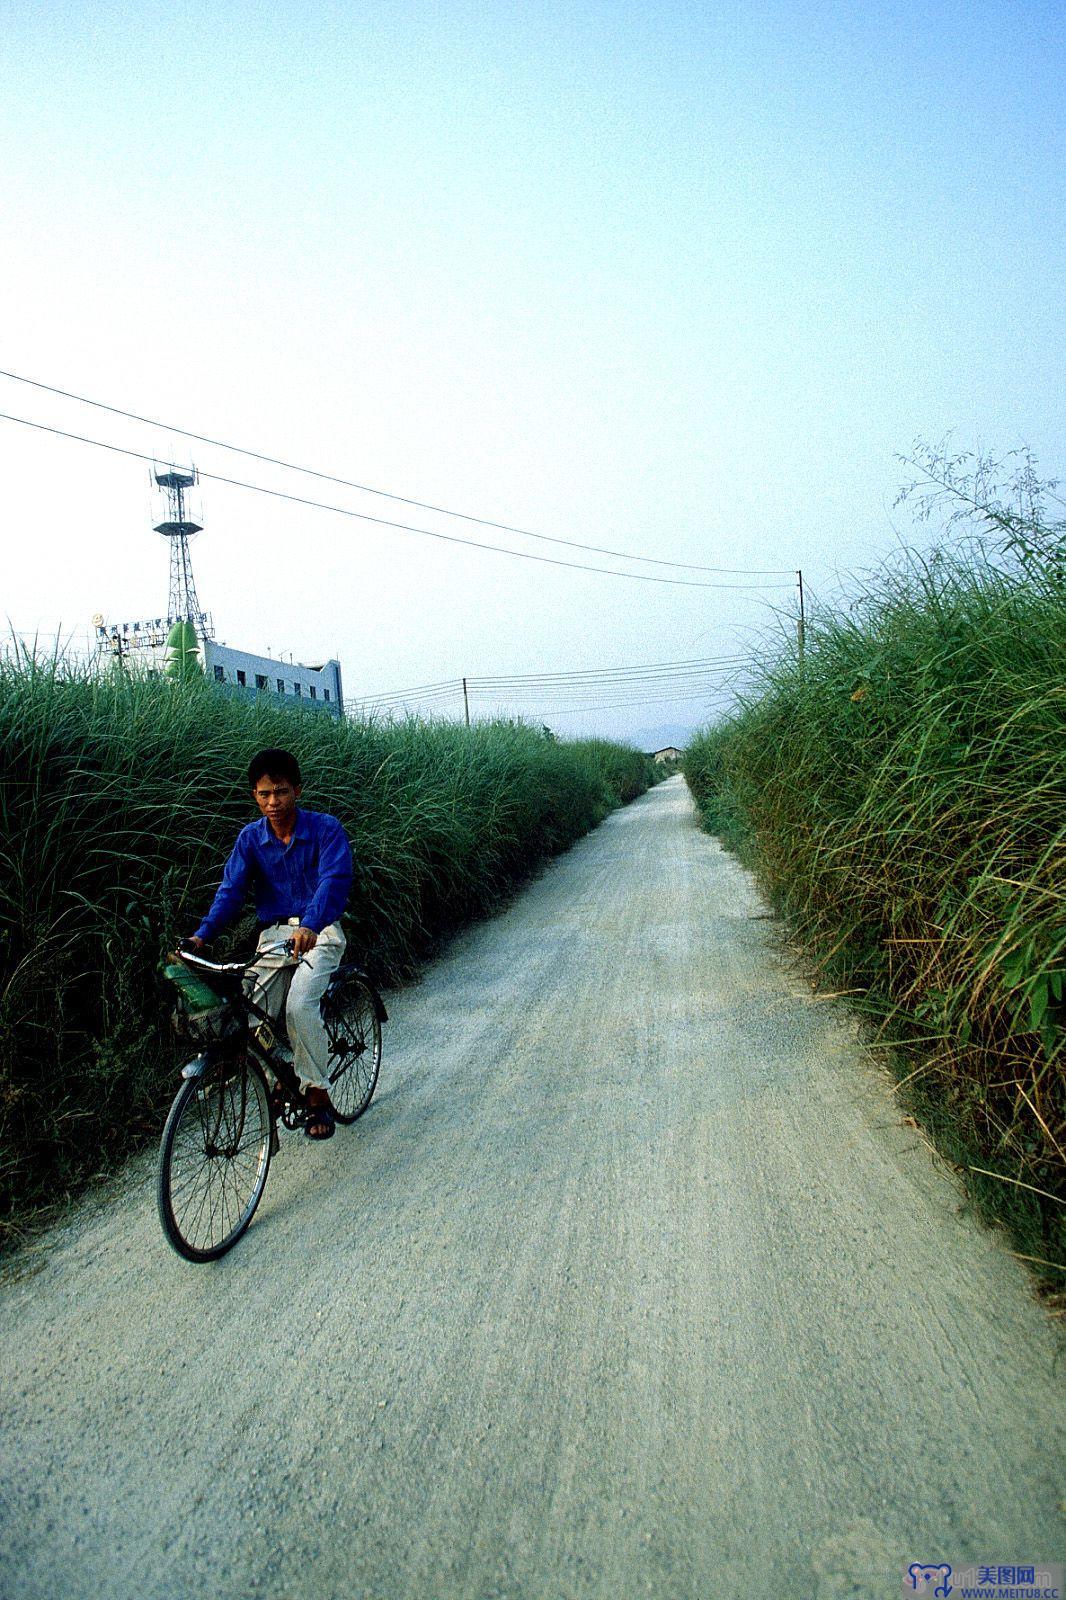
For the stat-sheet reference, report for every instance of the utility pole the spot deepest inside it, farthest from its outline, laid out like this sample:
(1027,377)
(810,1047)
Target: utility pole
(801,626)
(119,647)
(466,703)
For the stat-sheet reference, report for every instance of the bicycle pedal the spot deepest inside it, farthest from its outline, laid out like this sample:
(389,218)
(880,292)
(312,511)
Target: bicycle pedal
(294,1115)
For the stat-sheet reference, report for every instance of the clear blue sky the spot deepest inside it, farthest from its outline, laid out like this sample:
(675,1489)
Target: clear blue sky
(681,279)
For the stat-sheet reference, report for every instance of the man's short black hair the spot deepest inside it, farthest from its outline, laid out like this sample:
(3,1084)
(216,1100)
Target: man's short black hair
(274,764)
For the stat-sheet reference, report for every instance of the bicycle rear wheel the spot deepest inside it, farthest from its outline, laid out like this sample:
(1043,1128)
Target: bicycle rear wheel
(214,1159)
(354,1033)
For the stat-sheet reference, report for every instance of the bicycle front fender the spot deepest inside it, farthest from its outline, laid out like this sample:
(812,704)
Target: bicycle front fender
(196,1067)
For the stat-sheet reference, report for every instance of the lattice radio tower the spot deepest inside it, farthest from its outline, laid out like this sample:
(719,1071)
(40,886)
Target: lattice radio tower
(178,527)
(185,629)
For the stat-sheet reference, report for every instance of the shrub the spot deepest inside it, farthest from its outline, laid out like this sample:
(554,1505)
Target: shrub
(119,800)
(900,791)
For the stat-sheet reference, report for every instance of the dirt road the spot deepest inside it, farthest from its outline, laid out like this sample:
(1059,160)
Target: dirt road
(629,1283)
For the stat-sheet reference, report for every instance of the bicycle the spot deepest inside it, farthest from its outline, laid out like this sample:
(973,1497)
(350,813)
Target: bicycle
(221,1132)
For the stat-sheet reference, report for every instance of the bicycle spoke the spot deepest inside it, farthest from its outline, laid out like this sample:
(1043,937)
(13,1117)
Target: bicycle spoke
(354,1036)
(193,1176)
(216,1162)
(179,1189)
(228,1179)
(193,1232)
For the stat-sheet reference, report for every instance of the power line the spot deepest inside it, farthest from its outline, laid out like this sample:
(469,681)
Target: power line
(678,681)
(600,674)
(595,675)
(692,688)
(542,711)
(577,691)
(679,687)
(402,527)
(609,705)
(422,688)
(385,703)
(364,488)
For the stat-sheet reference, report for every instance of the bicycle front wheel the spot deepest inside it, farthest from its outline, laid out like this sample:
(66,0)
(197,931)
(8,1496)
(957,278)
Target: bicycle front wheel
(214,1159)
(354,1034)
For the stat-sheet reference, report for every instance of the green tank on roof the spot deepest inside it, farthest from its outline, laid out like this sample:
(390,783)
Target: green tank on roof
(183,653)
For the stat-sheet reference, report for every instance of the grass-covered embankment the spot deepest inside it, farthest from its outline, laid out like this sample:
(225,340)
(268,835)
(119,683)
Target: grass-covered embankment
(119,801)
(901,795)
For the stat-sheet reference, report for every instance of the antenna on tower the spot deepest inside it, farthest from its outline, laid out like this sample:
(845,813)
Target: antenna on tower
(185,631)
(178,526)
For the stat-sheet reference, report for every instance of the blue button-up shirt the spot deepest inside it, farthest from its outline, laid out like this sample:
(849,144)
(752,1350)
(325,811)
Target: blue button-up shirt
(307,878)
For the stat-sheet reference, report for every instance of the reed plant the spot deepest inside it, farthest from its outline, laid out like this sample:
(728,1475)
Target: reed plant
(899,789)
(120,798)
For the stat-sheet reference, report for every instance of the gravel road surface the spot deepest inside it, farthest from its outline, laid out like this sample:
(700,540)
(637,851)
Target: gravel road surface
(631,1282)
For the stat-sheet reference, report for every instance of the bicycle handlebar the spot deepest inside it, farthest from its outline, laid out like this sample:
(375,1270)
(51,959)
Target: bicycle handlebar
(191,959)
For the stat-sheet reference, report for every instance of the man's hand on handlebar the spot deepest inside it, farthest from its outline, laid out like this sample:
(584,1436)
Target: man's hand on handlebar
(303,941)
(192,943)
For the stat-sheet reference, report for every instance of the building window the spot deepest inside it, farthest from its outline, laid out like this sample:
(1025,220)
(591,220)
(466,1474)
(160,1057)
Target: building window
(296,689)
(241,679)
(326,693)
(220,674)
(314,696)
(260,681)
(281,685)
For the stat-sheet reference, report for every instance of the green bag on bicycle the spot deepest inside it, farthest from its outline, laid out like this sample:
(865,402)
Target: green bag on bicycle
(201,1013)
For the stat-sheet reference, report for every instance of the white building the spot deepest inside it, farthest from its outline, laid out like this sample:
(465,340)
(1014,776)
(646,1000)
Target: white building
(312,688)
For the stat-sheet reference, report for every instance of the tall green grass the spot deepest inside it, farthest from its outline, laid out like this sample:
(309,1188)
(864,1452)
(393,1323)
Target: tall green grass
(119,800)
(900,791)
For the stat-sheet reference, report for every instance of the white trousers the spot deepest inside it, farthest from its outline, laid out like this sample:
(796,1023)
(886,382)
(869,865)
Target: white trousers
(300,988)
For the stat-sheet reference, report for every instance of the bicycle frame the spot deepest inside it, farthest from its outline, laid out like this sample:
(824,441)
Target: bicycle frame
(247,1039)
(249,1011)
(224,1122)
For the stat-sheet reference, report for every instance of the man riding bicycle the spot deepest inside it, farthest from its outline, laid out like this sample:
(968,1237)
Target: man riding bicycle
(298,864)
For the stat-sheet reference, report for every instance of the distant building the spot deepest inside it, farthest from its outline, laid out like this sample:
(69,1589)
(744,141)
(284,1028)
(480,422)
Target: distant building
(670,752)
(298,686)
(182,642)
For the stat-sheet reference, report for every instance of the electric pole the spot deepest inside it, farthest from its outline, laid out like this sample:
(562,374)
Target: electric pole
(119,647)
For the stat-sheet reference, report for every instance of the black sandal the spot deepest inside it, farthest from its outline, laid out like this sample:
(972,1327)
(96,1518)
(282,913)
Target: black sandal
(320,1117)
